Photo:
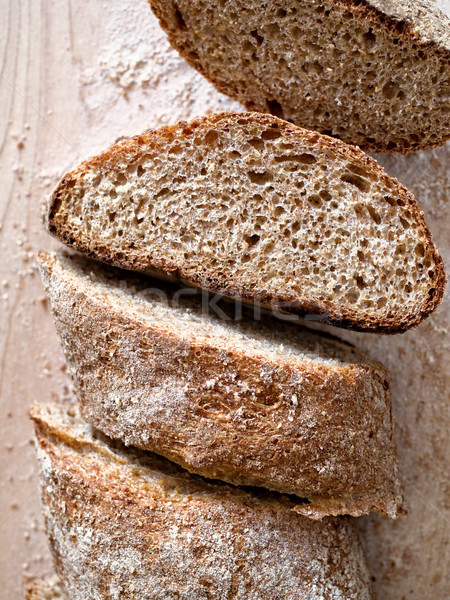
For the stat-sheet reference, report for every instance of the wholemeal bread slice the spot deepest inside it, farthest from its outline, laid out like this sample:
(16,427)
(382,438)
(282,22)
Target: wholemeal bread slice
(251,403)
(255,208)
(373,73)
(46,589)
(133,526)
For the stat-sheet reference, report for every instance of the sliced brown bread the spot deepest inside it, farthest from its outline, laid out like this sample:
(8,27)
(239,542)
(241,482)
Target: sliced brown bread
(130,525)
(45,589)
(255,208)
(251,403)
(373,73)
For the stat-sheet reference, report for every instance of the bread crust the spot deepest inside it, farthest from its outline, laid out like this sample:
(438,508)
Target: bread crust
(335,314)
(321,429)
(419,25)
(131,525)
(45,589)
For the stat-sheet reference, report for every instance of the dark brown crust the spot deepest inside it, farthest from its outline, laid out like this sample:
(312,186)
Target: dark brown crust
(325,314)
(361,7)
(124,524)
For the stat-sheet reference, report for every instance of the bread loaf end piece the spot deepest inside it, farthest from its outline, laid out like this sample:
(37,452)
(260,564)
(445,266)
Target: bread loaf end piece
(373,73)
(132,525)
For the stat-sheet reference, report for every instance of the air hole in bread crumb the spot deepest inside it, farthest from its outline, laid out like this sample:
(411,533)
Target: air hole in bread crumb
(179,18)
(260,178)
(304,159)
(271,134)
(315,201)
(211,137)
(256,143)
(352,296)
(312,68)
(120,179)
(252,240)
(404,222)
(360,282)
(370,39)
(373,213)
(140,171)
(362,184)
(420,250)
(162,192)
(358,170)
(325,195)
(176,149)
(390,90)
(259,38)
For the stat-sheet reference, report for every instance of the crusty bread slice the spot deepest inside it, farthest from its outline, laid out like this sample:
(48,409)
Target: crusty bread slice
(374,73)
(130,525)
(251,403)
(45,589)
(255,208)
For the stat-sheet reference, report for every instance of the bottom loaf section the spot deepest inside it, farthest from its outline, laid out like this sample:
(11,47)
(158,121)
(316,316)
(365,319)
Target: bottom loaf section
(128,524)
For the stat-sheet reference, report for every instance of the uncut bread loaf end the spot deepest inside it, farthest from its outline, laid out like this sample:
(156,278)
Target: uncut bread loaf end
(130,525)
(258,403)
(373,73)
(255,208)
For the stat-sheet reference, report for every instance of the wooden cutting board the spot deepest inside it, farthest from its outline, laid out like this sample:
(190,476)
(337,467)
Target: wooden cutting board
(74,77)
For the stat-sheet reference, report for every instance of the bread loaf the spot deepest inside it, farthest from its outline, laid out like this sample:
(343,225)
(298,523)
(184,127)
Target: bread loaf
(374,73)
(133,526)
(255,208)
(253,403)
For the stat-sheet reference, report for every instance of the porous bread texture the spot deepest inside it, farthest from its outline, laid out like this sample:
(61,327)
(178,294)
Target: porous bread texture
(45,589)
(252,207)
(131,525)
(374,73)
(251,403)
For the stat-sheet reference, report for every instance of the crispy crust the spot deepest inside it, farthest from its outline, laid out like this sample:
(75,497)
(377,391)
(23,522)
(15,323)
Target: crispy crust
(45,589)
(319,429)
(130,525)
(133,147)
(407,23)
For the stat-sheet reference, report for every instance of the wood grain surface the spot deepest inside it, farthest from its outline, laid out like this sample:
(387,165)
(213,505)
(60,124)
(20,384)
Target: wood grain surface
(76,75)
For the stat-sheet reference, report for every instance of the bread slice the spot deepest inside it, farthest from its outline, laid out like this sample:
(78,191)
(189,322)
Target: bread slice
(373,73)
(133,526)
(251,403)
(45,589)
(252,207)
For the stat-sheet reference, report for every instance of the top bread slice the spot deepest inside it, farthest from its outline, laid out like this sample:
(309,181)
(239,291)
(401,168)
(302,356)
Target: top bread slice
(252,207)
(250,402)
(373,73)
(130,525)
